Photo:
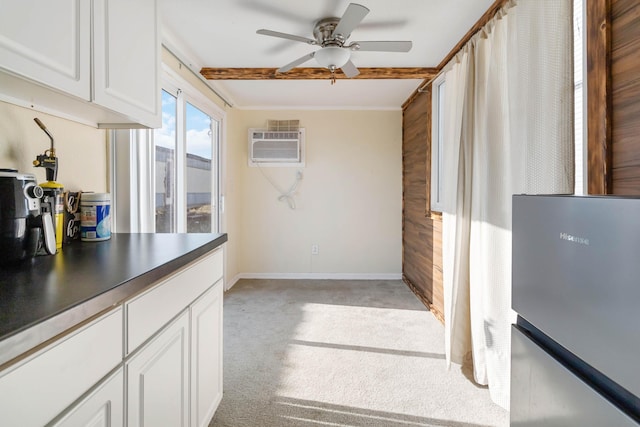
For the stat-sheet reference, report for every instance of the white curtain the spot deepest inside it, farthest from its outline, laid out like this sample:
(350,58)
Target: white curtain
(508,130)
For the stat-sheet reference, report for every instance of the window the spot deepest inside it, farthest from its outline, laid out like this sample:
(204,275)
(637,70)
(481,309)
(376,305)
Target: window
(201,138)
(437,141)
(186,159)
(167,180)
(165,147)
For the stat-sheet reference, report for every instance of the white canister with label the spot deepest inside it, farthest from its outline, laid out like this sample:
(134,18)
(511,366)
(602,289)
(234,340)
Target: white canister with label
(95,217)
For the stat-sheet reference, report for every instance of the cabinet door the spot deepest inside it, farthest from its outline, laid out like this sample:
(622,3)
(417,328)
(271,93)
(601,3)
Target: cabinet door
(48,42)
(158,379)
(104,407)
(126,55)
(206,356)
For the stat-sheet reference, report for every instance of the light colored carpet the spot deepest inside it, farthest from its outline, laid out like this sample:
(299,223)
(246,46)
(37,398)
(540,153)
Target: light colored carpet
(341,353)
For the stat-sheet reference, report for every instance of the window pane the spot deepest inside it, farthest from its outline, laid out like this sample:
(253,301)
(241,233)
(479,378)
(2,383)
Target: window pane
(440,142)
(199,148)
(165,162)
(437,145)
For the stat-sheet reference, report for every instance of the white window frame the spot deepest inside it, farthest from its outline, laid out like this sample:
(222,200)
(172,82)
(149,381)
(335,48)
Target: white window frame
(436,201)
(132,168)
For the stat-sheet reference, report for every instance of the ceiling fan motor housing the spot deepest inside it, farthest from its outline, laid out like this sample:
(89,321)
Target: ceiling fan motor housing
(323,32)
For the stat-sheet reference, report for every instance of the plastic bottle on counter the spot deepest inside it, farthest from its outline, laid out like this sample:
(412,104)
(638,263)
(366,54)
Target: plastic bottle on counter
(53,195)
(95,217)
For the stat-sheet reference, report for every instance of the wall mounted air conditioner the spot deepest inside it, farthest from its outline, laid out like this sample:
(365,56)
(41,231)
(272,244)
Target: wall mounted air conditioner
(276,148)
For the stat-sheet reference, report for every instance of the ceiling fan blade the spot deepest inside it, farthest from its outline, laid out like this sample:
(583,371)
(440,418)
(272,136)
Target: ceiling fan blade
(350,70)
(286,36)
(295,63)
(354,14)
(383,46)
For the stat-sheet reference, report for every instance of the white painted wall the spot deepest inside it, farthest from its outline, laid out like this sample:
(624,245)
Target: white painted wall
(82,150)
(349,201)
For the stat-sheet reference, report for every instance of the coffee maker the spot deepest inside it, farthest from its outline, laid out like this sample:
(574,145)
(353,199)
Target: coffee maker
(26,224)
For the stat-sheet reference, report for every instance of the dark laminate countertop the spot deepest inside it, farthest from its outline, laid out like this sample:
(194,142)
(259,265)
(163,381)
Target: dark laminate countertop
(47,294)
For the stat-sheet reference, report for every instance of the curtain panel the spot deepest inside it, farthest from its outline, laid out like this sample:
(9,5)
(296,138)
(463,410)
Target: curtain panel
(508,130)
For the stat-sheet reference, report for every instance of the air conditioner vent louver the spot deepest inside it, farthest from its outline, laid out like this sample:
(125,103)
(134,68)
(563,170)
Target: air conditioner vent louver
(275,146)
(283,125)
(280,135)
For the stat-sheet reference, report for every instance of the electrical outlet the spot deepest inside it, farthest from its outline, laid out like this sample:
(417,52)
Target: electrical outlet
(315,249)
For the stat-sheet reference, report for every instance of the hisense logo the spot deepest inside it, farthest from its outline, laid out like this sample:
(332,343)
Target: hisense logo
(574,239)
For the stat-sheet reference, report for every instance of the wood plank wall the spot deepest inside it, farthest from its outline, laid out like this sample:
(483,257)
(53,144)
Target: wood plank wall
(613,85)
(598,32)
(421,231)
(613,96)
(625,96)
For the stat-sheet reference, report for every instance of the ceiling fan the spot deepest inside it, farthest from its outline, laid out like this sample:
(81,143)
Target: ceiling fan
(331,35)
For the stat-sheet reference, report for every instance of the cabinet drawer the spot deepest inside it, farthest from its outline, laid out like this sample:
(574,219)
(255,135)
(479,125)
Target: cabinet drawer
(43,385)
(149,311)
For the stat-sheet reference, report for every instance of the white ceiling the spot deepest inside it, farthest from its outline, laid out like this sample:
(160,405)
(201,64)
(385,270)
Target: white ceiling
(222,33)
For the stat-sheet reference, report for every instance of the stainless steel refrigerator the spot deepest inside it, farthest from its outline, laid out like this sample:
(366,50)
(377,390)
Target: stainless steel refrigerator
(575,357)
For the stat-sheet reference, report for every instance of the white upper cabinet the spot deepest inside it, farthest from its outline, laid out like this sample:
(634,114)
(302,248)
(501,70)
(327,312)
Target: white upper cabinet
(96,62)
(48,42)
(126,50)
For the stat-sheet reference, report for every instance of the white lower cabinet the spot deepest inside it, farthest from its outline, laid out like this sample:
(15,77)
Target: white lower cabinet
(42,385)
(169,373)
(206,356)
(158,379)
(104,407)
(176,378)
(174,367)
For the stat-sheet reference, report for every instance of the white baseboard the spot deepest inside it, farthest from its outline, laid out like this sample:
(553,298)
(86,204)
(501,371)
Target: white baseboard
(230,283)
(317,276)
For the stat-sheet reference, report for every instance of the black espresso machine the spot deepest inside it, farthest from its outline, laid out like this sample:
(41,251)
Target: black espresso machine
(26,224)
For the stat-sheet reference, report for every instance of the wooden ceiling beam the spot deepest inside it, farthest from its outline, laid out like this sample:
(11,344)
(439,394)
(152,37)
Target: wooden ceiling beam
(314,73)
(479,25)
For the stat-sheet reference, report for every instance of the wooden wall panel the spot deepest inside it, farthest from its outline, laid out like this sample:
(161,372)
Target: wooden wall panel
(421,231)
(613,96)
(598,30)
(436,256)
(625,100)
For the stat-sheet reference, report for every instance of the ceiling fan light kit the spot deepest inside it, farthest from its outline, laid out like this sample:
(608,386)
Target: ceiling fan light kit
(332,57)
(331,35)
